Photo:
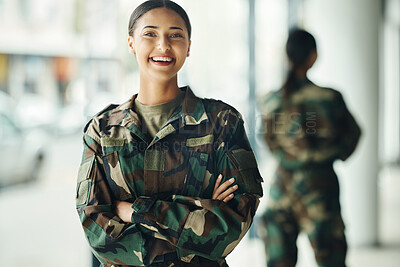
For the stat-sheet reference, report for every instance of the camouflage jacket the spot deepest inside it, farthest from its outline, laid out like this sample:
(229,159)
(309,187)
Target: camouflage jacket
(169,180)
(312,126)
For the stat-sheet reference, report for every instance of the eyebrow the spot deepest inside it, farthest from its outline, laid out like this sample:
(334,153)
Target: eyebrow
(156,27)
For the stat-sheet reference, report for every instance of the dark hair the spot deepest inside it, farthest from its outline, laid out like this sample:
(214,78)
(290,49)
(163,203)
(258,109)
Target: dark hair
(152,4)
(299,46)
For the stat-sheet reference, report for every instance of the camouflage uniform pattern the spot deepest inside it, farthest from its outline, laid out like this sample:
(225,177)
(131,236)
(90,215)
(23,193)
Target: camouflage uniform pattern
(306,132)
(169,180)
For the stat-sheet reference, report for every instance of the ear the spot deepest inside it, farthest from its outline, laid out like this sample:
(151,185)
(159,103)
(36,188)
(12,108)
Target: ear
(131,45)
(188,51)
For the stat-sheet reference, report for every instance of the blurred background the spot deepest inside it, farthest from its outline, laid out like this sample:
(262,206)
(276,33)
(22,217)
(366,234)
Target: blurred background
(63,61)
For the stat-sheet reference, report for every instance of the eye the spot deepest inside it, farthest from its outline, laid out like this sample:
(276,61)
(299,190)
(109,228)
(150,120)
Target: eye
(176,35)
(150,34)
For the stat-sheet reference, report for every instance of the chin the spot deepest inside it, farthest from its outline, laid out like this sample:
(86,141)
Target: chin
(163,77)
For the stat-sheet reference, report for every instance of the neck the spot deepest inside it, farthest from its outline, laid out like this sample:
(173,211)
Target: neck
(301,73)
(158,92)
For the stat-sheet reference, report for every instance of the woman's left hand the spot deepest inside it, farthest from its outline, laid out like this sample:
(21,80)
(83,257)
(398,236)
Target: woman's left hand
(224,191)
(123,210)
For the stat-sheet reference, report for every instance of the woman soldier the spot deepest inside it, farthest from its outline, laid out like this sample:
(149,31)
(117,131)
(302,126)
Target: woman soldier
(307,127)
(167,178)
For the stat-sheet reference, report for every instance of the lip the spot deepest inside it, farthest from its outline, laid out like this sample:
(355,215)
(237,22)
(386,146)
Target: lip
(162,63)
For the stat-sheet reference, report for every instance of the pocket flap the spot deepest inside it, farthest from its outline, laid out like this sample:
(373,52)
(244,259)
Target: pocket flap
(84,182)
(245,159)
(84,170)
(246,163)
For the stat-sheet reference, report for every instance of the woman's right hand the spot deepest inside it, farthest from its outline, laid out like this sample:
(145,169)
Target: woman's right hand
(224,191)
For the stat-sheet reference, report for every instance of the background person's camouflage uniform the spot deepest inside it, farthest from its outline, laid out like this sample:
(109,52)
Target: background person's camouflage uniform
(306,132)
(170,181)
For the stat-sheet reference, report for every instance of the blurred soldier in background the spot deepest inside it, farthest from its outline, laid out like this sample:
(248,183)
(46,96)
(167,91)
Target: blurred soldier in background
(307,128)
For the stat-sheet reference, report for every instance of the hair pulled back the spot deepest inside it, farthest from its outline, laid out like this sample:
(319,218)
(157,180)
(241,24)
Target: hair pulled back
(152,4)
(299,46)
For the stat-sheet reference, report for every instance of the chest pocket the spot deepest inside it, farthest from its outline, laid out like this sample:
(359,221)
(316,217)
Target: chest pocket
(196,171)
(115,178)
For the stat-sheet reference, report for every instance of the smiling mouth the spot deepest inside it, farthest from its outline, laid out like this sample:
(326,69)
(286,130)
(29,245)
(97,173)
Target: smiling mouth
(162,59)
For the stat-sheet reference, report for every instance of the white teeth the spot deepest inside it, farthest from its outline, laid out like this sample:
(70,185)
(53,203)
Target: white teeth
(163,59)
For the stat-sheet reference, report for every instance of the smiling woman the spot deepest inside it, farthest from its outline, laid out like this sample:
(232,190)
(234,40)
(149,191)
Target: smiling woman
(167,178)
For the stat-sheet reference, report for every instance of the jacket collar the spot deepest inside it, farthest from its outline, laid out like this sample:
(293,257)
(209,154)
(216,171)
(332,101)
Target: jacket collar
(192,111)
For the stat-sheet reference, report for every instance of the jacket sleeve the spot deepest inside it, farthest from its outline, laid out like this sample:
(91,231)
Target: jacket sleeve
(349,130)
(193,225)
(202,226)
(319,134)
(112,240)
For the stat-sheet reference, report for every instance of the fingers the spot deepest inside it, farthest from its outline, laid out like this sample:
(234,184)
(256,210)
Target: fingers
(228,198)
(225,191)
(217,183)
(228,194)
(224,186)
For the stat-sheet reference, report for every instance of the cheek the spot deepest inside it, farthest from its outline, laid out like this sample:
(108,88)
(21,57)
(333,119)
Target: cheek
(143,45)
(183,49)
(142,51)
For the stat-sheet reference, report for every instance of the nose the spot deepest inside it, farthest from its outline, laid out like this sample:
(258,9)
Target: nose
(163,43)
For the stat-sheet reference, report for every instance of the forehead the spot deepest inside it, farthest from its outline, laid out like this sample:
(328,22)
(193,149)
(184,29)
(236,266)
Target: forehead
(161,17)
